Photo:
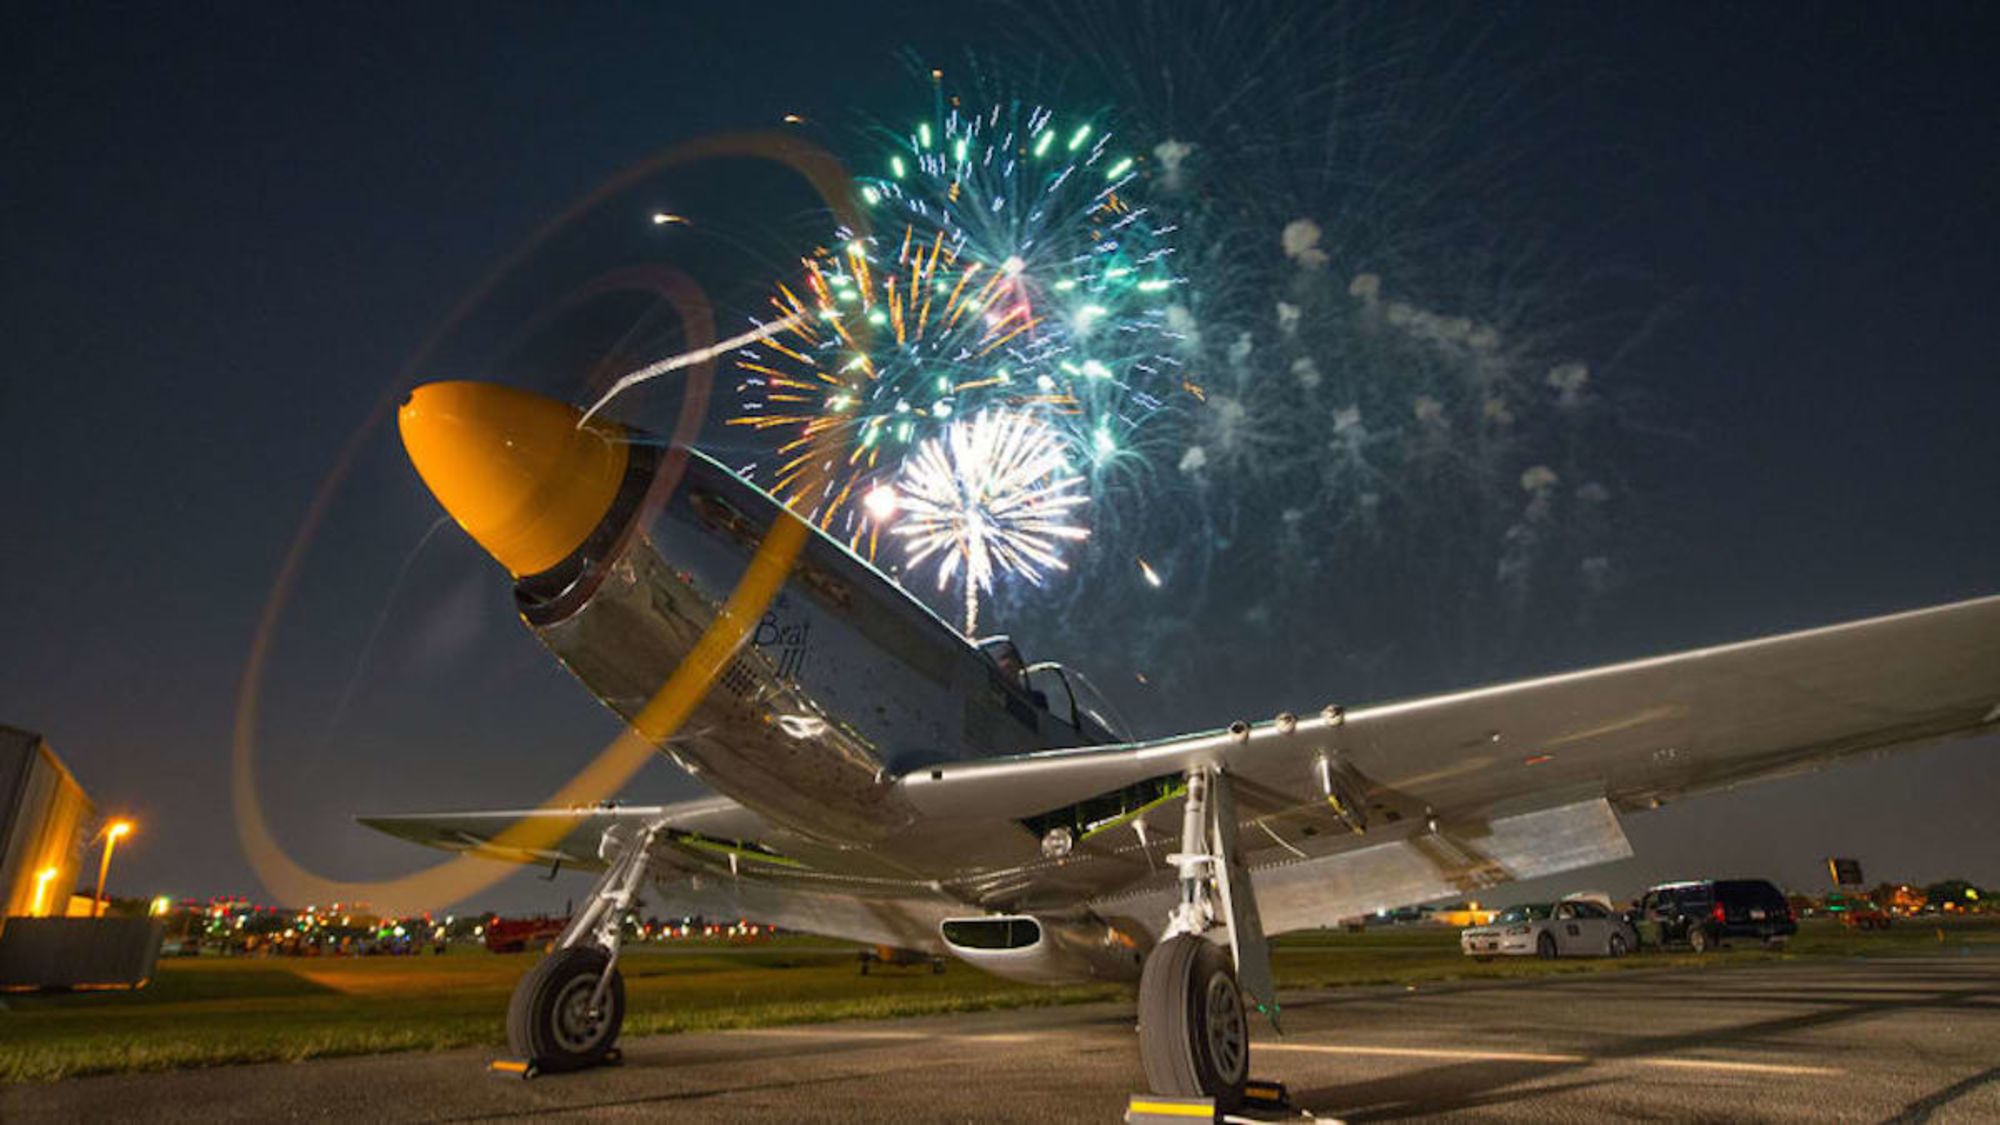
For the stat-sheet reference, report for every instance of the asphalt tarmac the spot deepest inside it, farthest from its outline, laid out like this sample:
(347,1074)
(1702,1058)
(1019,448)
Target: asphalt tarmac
(1890,1039)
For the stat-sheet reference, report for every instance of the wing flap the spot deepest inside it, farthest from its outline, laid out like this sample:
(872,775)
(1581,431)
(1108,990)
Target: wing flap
(1423,867)
(1410,866)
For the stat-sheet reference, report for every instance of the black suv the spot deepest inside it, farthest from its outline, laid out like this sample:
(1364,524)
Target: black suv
(1705,914)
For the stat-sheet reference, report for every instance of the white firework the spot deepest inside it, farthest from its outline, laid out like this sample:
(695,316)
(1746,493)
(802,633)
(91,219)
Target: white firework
(989,496)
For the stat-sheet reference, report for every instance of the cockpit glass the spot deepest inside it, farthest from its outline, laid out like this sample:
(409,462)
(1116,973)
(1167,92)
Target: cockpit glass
(1092,703)
(1049,686)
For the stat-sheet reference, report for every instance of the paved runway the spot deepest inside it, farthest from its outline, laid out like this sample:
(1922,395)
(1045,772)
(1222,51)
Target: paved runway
(1906,1039)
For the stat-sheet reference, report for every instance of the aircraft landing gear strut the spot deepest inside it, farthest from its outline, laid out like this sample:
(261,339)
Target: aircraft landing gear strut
(566,1013)
(1194,1030)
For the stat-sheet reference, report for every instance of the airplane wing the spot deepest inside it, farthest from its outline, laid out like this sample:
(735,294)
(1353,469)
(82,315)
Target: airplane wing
(1350,810)
(1342,811)
(711,861)
(714,825)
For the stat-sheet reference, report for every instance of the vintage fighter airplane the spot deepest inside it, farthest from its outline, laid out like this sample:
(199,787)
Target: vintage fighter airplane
(881,778)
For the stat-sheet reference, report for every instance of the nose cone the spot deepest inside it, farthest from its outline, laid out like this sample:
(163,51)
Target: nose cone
(513,468)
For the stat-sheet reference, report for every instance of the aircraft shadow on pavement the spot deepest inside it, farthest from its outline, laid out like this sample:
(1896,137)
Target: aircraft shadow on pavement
(1468,1085)
(1922,1108)
(1437,1089)
(665,1098)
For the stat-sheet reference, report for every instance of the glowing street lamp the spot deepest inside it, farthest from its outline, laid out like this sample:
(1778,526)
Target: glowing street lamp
(112,832)
(42,878)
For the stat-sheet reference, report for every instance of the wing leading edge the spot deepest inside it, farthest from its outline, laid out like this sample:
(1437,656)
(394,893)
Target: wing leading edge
(1648,729)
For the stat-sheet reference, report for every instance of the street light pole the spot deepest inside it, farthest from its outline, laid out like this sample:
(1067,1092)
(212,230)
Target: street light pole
(112,831)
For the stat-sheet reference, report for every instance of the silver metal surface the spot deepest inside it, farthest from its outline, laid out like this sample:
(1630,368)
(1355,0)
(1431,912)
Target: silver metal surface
(1069,950)
(879,769)
(1238,892)
(1420,867)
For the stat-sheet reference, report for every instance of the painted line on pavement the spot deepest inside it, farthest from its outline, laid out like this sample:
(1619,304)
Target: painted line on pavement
(896,1036)
(1454,1055)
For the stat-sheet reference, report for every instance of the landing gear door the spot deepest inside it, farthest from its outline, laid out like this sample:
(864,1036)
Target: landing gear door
(1239,902)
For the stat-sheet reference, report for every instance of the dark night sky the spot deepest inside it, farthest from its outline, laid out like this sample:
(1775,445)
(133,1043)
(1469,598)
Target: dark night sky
(224,229)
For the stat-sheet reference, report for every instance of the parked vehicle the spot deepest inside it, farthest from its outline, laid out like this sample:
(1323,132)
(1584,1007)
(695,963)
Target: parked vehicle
(517,935)
(897,956)
(1857,912)
(1708,914)
(1571,928)
(1402,915)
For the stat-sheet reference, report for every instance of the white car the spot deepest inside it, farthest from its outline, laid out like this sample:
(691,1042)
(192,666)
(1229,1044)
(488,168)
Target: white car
(1571,928)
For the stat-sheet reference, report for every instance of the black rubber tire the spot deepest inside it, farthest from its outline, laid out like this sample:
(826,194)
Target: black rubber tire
(1194,1036)
(1698,939)
(547,1020)
(1616,946)
(1545,947)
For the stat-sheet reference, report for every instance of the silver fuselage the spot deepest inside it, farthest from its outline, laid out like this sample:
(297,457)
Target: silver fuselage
(844,683)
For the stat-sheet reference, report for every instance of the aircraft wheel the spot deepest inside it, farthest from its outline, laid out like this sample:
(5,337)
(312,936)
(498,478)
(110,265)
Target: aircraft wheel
(1545,947)
(550,1021)
(1193,1035)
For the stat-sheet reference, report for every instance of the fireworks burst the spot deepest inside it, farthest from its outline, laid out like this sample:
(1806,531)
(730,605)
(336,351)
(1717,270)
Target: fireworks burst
(1380,338)
(991,495)
(1016,275)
